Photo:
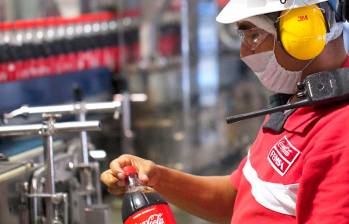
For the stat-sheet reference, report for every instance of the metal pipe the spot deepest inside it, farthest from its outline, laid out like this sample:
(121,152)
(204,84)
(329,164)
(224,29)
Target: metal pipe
(77,126)
(50,176)
(102,107)
(47,132)
(32,129)
(65,109)
(34,184)
(84,154)
(126,115)
(84,140)
(127,143)
(98,184)
(66,208)
(49,161)
(37,129)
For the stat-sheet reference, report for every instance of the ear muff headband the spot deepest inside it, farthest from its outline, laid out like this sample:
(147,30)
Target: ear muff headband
(302,32)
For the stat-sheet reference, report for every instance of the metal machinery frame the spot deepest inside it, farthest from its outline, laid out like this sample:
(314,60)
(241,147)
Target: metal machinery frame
(54,201)
(59,183)
(81,173)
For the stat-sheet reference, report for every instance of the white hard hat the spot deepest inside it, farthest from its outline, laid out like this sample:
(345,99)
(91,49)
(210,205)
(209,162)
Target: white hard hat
(237,10)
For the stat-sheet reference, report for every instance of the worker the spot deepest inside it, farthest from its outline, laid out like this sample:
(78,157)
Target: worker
(297,169)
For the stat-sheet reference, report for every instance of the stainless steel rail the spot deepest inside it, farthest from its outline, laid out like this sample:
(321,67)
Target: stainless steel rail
(57,128)
(64,109)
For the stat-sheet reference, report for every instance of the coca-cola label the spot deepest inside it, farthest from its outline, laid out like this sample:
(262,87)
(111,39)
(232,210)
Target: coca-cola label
(156,214)
(283,155)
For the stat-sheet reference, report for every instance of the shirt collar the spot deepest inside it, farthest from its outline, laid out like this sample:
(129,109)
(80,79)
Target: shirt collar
(296,120)
(302,118)
(275,121)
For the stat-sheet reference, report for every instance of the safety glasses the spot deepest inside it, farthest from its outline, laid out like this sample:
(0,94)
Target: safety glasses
(252,37)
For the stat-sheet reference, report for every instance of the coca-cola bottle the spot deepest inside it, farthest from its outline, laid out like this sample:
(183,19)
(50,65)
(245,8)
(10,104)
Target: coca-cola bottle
(142,204)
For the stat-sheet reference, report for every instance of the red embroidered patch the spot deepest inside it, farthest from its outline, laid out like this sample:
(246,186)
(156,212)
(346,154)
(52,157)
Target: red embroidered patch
(283,155)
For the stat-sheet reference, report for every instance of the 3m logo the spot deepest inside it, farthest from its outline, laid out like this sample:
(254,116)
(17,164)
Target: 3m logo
(283,155)
(302,18)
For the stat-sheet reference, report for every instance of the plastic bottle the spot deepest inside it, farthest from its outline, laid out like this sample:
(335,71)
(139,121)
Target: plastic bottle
(142,204)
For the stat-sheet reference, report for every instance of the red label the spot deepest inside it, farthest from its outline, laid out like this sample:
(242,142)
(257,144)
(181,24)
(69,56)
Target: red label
(156,214)
(302,18)
(283,155)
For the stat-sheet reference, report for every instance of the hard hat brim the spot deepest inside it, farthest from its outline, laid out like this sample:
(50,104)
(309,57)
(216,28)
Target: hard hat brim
(237,10)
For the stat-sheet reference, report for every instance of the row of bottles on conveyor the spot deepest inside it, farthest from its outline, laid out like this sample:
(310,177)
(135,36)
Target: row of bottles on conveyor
(58,45)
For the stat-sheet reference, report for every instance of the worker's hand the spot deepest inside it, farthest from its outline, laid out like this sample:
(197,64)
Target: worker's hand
(114,178)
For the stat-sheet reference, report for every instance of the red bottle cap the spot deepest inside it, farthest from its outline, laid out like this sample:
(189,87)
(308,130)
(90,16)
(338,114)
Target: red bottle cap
(129,170)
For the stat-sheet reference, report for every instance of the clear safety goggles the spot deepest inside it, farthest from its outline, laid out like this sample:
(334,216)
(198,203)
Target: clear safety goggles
(252,37)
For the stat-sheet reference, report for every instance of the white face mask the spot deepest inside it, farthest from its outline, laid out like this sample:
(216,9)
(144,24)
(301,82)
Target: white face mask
(272,75)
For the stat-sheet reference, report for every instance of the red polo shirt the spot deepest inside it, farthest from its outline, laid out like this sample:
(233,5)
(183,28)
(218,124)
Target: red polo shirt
(300,175)
(346,63)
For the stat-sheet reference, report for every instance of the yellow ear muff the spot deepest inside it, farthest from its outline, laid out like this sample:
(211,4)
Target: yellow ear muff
(302,32)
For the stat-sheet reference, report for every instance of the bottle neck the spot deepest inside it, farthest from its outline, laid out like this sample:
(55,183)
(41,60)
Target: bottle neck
(133,181)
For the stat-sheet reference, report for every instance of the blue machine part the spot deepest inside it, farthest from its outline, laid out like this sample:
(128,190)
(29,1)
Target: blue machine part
(48,91)
(11,147)
(54,89)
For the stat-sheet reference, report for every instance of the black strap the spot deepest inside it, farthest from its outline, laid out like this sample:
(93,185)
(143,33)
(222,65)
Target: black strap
(277,120)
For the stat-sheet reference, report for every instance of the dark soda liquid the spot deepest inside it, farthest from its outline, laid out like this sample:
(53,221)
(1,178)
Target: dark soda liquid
(136,201)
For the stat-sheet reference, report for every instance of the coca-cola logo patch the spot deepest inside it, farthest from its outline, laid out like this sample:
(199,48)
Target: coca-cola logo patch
(282,155)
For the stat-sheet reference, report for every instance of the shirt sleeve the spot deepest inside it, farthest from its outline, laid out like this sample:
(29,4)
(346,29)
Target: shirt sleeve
(235,177)
(323,196)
